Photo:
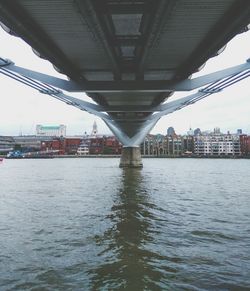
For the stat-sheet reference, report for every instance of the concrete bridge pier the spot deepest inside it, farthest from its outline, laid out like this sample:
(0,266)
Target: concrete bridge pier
(131,157)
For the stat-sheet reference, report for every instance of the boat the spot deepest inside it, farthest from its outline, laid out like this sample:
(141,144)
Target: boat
(29,155)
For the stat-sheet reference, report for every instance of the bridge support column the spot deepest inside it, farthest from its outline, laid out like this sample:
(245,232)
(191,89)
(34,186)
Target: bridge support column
(131,157)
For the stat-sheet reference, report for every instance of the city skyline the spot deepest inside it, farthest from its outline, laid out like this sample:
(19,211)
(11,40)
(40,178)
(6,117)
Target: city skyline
(53,139)
(22,108)
(90,130)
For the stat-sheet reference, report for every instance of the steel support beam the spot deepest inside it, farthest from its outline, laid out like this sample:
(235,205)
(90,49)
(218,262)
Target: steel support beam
(126,86)
(70,86)
(137,139)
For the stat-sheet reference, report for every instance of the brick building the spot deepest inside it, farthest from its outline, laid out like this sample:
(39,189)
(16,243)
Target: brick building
(67,145)
(245,144)
(98,144)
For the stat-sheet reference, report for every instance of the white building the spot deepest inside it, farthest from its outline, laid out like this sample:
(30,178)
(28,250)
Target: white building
(54,130)
(83,149)
(217,144)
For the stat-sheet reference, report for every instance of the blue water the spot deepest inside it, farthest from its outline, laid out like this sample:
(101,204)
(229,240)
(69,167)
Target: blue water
(85,224)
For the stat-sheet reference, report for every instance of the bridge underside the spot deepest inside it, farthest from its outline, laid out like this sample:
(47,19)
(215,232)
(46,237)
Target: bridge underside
(128,56)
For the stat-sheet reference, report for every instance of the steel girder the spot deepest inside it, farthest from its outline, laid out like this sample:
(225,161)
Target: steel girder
(125,86)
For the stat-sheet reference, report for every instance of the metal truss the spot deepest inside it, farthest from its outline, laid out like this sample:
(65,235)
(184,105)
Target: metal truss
(46,84)
(125,86)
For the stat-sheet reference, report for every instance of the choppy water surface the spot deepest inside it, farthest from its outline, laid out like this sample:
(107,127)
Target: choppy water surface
(85,224)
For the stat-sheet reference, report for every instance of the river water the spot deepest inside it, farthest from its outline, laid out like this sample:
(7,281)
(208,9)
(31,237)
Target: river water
(85,224)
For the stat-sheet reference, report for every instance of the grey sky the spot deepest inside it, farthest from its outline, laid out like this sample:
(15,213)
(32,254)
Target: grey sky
(22,108)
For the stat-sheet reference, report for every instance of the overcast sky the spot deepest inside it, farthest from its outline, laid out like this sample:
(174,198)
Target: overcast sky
(22,108)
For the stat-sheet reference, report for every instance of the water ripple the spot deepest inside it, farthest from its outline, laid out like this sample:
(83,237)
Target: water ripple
(174,225)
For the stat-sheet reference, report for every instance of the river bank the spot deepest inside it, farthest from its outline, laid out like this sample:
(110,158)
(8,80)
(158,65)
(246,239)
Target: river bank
(147,157)
(154,157)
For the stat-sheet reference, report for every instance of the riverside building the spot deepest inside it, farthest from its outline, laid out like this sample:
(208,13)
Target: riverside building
(194,143)
(245,144)
(6,144)
(62,145)
(53,130)
(29,143)
(217,144)
(160,145)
